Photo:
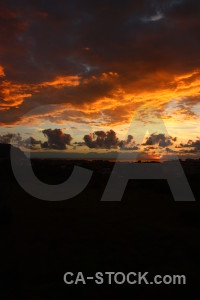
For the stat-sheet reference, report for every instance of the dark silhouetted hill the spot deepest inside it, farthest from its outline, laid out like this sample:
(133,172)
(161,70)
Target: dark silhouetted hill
(5,152)
(146,231)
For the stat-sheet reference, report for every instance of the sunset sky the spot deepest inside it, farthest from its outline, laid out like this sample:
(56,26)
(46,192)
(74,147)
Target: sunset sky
(73,74)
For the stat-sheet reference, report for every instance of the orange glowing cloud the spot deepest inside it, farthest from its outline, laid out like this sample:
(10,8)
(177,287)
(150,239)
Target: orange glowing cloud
(2,74)
(14,94)
(62,81)
(107,101)
(120,106)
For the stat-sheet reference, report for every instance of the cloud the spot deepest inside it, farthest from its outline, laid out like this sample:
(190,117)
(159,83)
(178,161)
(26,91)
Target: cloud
(159,139)
(2,74)
(58,54)
(128,144)
(9,137)
(17,140)
(109,140)
(57,139)
(30,143)
(79,144)
(193,145)
(169,150)
(102,140)
(157,17)
(14,94)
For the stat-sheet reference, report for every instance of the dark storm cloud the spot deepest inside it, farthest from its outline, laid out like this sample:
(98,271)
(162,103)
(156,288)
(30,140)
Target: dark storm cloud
(41,40)
(159,139)
(57,139)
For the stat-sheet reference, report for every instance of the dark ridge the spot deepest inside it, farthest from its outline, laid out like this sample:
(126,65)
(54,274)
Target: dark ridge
(5,152)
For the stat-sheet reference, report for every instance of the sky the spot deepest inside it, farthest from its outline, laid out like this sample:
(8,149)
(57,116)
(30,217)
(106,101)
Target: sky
(74,76)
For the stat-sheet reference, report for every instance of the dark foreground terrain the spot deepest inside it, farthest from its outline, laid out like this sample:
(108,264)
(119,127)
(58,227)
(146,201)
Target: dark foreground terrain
(146,231)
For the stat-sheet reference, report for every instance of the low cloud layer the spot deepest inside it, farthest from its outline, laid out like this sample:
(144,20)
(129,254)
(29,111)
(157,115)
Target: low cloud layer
(155,145)
(194,147)
(129,144)
(56,140)
(102,140)
(159,139)
(7,138)
(109,140)
(30,143)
